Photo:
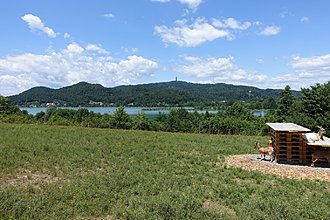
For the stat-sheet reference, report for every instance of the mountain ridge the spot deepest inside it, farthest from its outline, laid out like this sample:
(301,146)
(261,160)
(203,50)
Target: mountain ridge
(153,94)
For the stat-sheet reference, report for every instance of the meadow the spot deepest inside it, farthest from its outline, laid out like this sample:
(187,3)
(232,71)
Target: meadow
(58,172)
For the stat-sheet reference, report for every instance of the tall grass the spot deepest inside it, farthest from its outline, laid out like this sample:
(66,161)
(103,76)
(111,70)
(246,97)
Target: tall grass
(77,173)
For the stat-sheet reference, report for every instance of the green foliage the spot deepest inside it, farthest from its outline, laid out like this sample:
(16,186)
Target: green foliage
(154,94)
(6,108)
(12,114)
(140,122)
(54,172)
(121,118)
(315,104)
(238,110)
(49,112)
(285,105)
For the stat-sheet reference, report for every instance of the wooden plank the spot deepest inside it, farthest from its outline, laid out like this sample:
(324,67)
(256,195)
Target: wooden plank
(290,127)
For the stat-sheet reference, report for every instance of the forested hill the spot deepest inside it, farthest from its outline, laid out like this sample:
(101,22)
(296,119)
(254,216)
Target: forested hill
(153,94)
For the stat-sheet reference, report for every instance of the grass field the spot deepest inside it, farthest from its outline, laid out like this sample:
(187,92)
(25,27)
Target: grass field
(50,172)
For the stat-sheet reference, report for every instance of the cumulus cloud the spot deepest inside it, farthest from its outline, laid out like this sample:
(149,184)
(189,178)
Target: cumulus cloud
(96,48)
(74,48)
(67,36)
(191,4)
(70,65)
(315,69)
(271,30)
(190,35)
(35,24)
(200,30)
(222,69)
(306,71)
(311,63)
(231,23)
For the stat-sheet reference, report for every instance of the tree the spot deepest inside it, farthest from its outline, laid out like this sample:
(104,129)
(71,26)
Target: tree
(238,110)
(140,122)
(285,104)
(316,105)
(49,112)
(6,108)
(40,116)
(121,118)
(81,115)
(270,103)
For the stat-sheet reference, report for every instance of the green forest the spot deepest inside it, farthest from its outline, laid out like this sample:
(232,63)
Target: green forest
(175,93)
(310,109)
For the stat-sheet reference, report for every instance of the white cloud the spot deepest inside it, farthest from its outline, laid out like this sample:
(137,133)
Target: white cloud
(67,36)
(316,64)
(190,35)
(163,1)
(304,19)
(133,50)
(257,23)
(96,48)
(231,23)
(205,82)
(200,31)
(109,15)
(191,4)
(35,23)
(286,14)
(68,66)
(219,69)
(271,30)
(259,60)
(74,48)
(307,71)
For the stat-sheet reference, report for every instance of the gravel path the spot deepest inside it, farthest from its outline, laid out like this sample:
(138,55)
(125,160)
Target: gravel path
(251,162)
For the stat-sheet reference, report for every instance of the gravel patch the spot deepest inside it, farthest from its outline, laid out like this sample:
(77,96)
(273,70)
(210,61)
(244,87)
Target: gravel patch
(250,162)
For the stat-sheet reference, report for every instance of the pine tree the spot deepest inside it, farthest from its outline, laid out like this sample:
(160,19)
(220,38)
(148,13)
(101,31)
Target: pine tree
(285,104)
(316,102)
(121,118)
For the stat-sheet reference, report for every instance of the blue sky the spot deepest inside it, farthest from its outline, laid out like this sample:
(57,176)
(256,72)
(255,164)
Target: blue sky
(267,44)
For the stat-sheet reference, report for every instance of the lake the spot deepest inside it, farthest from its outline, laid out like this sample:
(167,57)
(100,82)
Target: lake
(130,110)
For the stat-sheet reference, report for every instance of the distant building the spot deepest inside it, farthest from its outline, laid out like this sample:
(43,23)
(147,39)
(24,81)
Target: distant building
(50,104)
(96,103)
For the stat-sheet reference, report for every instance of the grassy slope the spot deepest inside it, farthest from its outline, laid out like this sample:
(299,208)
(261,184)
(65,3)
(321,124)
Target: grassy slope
(87,173)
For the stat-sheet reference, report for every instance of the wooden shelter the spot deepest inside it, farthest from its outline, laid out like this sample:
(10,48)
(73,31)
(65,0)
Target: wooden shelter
(289,143)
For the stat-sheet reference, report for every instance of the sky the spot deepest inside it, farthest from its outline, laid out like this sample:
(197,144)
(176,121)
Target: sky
(266,44)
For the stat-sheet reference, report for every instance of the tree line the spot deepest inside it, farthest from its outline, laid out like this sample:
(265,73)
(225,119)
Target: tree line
(311,109)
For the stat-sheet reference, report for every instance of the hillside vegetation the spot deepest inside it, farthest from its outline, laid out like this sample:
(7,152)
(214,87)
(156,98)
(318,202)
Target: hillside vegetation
(51,172)
(153,94)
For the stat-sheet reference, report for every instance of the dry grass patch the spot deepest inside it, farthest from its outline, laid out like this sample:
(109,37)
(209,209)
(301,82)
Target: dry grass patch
(220,208)
(26,177)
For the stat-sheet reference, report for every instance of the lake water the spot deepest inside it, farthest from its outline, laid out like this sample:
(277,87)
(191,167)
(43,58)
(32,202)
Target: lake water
(102,110)
(130,110)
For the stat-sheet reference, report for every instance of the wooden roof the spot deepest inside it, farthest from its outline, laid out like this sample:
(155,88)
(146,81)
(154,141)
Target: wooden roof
(290,127)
